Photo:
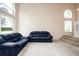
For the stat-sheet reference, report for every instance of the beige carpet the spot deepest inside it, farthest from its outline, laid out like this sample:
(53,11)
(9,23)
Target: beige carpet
(57,48)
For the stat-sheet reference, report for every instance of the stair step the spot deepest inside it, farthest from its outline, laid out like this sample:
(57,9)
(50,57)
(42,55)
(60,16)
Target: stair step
(70,39)
(71,42)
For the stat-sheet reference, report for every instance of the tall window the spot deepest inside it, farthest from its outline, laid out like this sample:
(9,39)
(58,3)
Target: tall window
(68,21)
(7,13)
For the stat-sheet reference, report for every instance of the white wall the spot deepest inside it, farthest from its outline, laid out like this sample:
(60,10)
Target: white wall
(43,17)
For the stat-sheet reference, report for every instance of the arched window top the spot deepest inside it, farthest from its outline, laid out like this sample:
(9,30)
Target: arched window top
(67,14)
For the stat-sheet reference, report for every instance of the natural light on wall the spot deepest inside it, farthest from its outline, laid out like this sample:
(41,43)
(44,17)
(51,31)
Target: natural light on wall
(68,21)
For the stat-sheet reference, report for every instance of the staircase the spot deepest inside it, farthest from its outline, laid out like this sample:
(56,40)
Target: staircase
(70,39)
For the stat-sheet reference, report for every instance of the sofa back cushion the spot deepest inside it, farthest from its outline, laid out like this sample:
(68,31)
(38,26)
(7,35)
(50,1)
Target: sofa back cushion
(2,40)
(11,37)
(35,33)
(39,34)
(17,35)
(7,36)
(44,34)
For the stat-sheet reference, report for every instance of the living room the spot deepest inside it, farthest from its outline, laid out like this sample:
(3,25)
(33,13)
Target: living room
(57,22)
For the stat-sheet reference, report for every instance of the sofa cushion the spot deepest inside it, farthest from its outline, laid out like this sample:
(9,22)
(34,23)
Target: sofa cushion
(46,38)
(43,35)
(7,36)
(39,34)
(44,32)
(35,33)
(35,38)
(16,39)
(2,40)
(22,42)
(9,45)
(17,35)
(12,37)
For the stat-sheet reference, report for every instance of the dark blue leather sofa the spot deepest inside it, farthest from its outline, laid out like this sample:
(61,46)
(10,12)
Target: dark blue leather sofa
(12,44)
(40,36)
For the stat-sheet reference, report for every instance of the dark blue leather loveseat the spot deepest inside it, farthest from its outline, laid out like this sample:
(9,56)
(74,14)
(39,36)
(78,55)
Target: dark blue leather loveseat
(12,44)
(40,36)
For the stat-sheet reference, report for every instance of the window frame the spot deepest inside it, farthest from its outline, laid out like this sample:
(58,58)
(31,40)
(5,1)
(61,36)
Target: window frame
(68,18)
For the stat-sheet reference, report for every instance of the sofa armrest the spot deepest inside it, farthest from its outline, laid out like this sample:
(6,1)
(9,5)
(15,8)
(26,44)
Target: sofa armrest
(30,36)
(9,45)
(50,36)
